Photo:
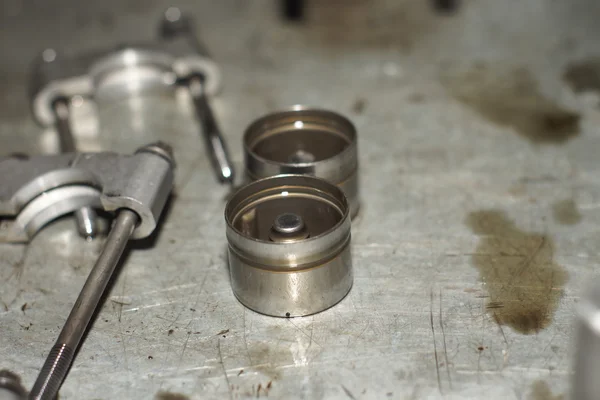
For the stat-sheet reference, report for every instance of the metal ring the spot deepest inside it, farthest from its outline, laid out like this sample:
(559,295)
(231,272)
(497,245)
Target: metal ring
(289,245)
(305,141)
(11,387)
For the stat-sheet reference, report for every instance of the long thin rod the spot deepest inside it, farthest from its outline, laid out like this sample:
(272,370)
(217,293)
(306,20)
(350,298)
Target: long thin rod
(86,216)
(62,353)
(216,147)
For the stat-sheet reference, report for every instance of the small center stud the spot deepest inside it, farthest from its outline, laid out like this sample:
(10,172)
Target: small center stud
(287,223)
(288,227)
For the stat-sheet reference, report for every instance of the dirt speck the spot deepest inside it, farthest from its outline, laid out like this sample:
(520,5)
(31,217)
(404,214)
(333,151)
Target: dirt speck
(541,391)
(480,348)
(359,105)
(224,331)
(583,75)
(416,98)
(24,307)
(170,332)
(523,282)
(566,212)
(513,99)
(170,396)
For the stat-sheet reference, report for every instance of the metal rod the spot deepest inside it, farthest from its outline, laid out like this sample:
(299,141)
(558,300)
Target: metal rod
(216,147)
(86,216)
(62,353)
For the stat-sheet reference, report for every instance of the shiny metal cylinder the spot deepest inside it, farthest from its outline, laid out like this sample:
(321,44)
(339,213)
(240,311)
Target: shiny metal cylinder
(289,245)
(586,385)
(305,141)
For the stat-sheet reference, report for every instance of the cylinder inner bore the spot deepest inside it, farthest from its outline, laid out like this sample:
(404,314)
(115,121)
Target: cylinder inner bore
(284,216)
(288,144)
(301,157)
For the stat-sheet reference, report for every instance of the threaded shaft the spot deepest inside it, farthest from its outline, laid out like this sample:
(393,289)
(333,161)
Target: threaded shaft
(53,373)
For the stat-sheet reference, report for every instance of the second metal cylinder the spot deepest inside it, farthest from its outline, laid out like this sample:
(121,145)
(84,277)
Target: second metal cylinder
(289,245)
(305,141)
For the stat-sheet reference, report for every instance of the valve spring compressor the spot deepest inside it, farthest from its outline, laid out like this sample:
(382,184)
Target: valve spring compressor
(39,189)
(175,59)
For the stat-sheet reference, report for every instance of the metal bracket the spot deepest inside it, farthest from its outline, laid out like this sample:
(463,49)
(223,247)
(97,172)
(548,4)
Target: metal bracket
(173,57)
(39,189)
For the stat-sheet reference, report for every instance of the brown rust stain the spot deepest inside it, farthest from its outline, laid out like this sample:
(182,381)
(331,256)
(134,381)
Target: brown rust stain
(170,396)
(523,282)
(345,24)
(566,212)
(583,75)
(512,99)
(541,391)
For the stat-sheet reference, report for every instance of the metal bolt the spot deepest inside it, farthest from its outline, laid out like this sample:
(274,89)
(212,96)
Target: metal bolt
(175,23)
(62,353)
(215,143)
(86,216)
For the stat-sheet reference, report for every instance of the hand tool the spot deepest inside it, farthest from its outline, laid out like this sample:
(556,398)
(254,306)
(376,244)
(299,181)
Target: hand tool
(174,59)
(38,189)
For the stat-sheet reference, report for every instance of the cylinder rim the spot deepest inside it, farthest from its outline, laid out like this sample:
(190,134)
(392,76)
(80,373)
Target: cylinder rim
(274,180)
(257,126)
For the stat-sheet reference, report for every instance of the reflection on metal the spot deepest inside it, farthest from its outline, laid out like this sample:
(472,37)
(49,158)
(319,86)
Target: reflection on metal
(305,141)
(586,385)
(289,245)
(176,58)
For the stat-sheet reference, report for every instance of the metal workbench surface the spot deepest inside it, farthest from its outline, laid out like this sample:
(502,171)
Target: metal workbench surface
(478,230)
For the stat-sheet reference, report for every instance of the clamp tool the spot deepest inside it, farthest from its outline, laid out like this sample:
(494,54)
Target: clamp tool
(38,189)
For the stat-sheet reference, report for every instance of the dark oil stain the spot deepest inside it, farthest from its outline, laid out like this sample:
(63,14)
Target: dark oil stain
(513,99)
(264,357)
(583,75)
(566,212)
(170,396)
(369,23)
(541,391)
(523,282)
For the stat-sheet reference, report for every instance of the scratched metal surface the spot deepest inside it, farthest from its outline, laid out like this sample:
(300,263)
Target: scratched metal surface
(415,324)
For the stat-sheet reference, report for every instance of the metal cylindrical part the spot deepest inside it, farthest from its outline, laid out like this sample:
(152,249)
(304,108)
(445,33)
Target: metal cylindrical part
(305,141)
(586,385)
(61,356)
(289,245)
